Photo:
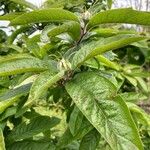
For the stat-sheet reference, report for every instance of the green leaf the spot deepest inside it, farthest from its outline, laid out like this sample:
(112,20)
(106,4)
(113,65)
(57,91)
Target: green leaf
(75,121)
(32,45)
(142,84)
(94,96)
(9,98)
(45,15)
(15,64)
(11,16)
(140,73)
(8,112)
(90,141)
(72,28)
(13,57)
(108,62)
(133,97)
(68,138)
(14,47)
(103,45)
(37,125)
(131,79)
(13,36)
(42,83)
(109,3)
(2,143)
(24,3)
(32,145)
(123,15)
(106,32)
(140,114)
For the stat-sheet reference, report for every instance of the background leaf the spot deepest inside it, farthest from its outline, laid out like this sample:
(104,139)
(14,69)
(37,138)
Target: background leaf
(37,125)
(123,15)
(9,98)
(33,145)
(44,15)
(2,143)
(75,121)
(90,141)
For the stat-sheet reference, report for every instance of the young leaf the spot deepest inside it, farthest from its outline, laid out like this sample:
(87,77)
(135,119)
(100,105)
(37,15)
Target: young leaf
(7,99)
(24,3)
(123,15)
(8,112)
(37,125)
(131,79)
(107,32)
(13,36)
(72,28)
(14,47)
(103,45)
(2,143)
(108,63)
(32,145)
(90,140)
(42,83)
(133,97)
(93,95)
(140,114)
(19,64)
(142,84)
(45,15)
(32,45)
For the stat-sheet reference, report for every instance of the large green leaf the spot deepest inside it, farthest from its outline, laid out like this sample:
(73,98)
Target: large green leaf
(123,15)
(11,16)
(103,45)
(37,125)
(9,98)
(94,96)
(15,64)
(24,3)
(2,143)
(45,15)
(32,145)
(72,28)
(90,140)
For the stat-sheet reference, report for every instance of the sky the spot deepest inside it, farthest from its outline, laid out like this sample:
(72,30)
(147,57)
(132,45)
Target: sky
(36,2)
